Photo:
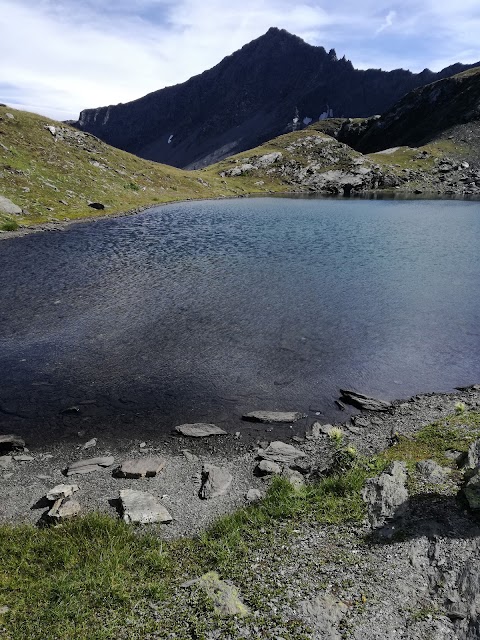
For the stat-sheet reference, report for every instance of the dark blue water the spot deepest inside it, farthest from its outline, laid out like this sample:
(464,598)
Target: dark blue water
(200,311)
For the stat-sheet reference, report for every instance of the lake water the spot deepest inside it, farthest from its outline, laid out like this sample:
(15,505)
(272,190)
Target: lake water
(201,311)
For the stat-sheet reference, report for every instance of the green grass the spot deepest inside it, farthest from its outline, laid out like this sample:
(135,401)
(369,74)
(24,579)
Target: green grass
(98,578)
(9,225)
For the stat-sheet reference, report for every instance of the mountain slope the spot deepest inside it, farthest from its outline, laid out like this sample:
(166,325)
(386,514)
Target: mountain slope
(249,97)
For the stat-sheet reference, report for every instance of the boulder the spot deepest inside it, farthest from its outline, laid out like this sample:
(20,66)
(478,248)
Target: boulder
(224,596)
(141,468)
(200,430)
(473,456)
(268,468)
(432,472)
(9,207)
(364,402)
(142,508)
(96,205)
(11,441)
(89,465)
(386,495)
(318,430)
(272,417)
(281,452)
(472,490)
(64,508)
(90,444)
(61,491)
(215,481)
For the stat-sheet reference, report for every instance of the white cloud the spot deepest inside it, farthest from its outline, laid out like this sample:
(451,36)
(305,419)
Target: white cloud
(388,22)
(65,55)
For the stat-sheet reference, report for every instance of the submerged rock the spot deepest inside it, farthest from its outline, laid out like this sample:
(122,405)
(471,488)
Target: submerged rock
(271,417)
(200,430)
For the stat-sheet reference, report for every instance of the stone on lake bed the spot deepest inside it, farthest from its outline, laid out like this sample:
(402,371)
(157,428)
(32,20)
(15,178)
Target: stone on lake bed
(272,417)
(281,452)
(200,430)
(23,458)
(142,508)
(61,491)
(364,402)
(88,465)
(11,441)
(215,481)
(141,467)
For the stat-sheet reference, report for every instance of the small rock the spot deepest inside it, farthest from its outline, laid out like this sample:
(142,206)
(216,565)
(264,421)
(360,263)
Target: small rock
(70,411)
(5,462)
(189,456)
(52,129)
(90,444)
(386,495)
(200,430)
(63,509)
(4,609)
(473,456)
(11,441)
(319,430)
(224,596)
(432,472)
(96,205)
(215,481)
(268,468)
(142,445)
(61,491)
(253,495)
(142,508)
(281,452)
(23,458)
(10,116)
(141,468)
(271,417)
(89,465)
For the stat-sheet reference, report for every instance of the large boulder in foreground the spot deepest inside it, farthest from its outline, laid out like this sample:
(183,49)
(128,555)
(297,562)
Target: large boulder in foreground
(215,481)
(386,495)
(142,508)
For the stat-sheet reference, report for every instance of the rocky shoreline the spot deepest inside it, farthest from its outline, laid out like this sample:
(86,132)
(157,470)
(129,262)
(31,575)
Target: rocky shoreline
(182,463)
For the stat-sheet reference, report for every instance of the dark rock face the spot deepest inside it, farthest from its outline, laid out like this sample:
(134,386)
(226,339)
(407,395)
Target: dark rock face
(249,97)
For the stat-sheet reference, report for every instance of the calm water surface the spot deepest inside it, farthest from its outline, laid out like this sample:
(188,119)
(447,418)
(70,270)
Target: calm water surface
(200,311)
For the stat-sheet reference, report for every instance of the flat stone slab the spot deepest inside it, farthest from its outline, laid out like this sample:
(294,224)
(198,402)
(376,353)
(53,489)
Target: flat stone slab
(89,465)
(11,441)
(272,417)
(215,481)
(141,467)
(364,402)
(61,491)
(281,452)
(63,509)
(200,430)
(142,508)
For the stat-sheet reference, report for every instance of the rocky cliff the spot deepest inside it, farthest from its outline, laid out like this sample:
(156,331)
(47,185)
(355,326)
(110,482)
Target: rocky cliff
(274,84)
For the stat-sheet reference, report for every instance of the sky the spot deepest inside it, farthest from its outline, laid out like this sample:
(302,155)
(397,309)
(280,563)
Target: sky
(62,56)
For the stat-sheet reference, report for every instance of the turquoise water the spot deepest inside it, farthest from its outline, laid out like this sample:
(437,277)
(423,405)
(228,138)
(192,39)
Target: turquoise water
(203,310)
